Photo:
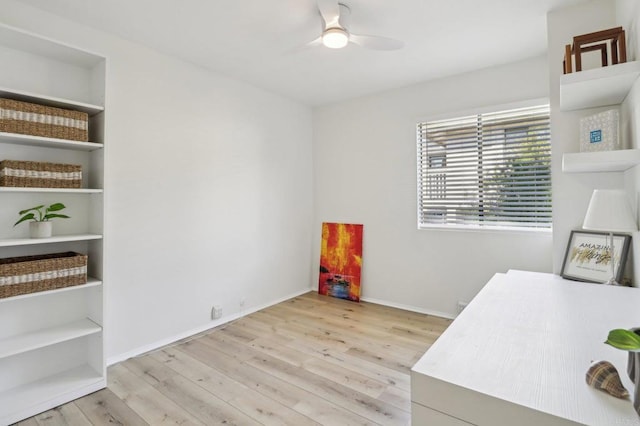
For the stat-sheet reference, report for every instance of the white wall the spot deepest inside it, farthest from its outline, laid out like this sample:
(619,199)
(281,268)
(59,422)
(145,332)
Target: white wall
(208,190)
(627,14)
(365,172)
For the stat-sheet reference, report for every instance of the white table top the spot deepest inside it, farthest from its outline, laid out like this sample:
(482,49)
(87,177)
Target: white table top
(527,339)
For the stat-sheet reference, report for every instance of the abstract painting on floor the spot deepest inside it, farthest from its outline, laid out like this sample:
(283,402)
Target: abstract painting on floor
(341,261)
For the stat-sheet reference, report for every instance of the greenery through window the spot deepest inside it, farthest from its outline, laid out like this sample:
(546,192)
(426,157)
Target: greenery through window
(487,170)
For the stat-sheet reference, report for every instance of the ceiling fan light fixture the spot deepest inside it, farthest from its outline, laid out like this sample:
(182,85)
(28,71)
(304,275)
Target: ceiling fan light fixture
(335,38)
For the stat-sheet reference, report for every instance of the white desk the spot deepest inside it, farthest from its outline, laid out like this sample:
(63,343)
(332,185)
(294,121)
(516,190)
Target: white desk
(518,354)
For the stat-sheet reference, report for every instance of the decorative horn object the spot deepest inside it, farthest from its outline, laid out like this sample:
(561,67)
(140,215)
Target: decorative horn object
(603,376)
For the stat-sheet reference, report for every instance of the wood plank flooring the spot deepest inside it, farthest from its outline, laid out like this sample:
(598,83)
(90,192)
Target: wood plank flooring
(307,361)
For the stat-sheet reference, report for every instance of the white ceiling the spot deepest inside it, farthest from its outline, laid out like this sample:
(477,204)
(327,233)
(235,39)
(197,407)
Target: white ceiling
(259,41)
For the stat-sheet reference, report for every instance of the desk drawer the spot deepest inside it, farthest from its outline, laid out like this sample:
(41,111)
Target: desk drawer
(423,416)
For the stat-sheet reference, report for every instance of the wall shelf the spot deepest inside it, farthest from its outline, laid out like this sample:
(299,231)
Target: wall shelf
(27,41)
(21,95)
(22,401)
(91,282)
(27,140)
(53,190)
(603,161)
(597,87)
(11,242)
(49,336)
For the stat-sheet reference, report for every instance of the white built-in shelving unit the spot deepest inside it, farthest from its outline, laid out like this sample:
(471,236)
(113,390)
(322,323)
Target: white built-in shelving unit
(52,342)
(593,88)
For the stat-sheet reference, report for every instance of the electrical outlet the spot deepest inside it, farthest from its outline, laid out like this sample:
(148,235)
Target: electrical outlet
(216,312)
(461,306)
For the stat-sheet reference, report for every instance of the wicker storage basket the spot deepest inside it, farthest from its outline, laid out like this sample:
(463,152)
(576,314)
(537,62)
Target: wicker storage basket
(33,174)
(39,120)
(30,274)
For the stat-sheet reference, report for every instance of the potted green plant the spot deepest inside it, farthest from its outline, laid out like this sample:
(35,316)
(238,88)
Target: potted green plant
(629,340)
(40,225)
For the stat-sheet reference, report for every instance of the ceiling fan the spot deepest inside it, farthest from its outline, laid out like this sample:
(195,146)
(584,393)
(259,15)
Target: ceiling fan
(336,35)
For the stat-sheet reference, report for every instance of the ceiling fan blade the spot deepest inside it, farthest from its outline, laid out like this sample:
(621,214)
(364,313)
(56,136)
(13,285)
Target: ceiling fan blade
(376,42)
(316,42)
(306,46)
(330,11)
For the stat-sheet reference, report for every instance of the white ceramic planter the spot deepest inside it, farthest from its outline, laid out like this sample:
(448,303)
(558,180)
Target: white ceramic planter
(40,229)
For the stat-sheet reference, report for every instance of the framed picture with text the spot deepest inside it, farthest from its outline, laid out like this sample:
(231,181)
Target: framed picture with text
(588,256)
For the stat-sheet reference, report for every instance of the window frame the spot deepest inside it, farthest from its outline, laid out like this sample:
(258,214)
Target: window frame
(476,112)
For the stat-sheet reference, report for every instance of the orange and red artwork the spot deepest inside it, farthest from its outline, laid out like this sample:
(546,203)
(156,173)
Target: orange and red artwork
(341,261)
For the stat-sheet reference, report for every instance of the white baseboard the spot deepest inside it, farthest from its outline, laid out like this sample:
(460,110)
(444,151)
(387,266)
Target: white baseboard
(169,340)
(408,308)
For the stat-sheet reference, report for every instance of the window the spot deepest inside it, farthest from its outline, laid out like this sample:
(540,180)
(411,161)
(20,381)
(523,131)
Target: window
(486,170)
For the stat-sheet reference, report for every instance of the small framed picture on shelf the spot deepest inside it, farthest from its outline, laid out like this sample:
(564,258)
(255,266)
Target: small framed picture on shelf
(588,256)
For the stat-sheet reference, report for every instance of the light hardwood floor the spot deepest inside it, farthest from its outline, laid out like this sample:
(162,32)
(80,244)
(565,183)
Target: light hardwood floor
(306,361)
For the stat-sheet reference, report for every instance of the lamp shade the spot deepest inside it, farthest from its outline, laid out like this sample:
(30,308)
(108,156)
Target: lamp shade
(609,210)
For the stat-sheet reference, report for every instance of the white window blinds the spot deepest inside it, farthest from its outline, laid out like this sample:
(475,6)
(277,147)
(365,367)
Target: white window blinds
(487,170)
